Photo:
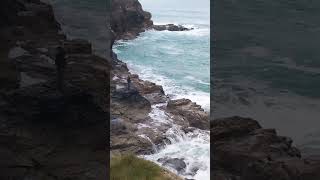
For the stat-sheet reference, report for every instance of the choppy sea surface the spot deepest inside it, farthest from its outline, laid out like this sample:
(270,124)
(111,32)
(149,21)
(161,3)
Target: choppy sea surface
(179,61)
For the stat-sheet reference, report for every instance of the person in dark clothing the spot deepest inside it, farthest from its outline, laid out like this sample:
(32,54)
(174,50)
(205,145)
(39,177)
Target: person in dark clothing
(60,62)
(129,82)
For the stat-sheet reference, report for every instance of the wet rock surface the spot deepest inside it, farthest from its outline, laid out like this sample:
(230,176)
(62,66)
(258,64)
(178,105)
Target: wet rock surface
(170,27)
(188,112)
(175,163)
(243,150)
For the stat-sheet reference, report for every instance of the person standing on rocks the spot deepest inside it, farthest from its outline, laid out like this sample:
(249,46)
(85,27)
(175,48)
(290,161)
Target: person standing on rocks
(128,82)
(60,62)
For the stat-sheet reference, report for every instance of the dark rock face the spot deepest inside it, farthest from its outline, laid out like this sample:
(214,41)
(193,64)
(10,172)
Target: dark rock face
(243,150)
(78,46)
(171,27)
(129,19)
(46,134)
(9,12)
(187,113)
(130,103)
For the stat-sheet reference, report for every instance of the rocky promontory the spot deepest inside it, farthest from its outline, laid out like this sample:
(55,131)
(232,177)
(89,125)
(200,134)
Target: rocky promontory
(128,18)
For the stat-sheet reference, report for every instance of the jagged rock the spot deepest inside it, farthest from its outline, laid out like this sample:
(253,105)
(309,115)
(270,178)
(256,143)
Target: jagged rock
(187,113)
(243,150)
(171,27)
(152,92)
(129,19)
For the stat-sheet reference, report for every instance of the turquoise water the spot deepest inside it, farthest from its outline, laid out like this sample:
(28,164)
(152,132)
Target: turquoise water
(179,61)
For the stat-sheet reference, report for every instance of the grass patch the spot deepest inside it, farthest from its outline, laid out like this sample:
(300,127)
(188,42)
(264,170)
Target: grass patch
(130,167)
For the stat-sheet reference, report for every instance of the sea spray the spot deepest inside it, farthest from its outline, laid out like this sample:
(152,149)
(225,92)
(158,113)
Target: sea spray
(193,147)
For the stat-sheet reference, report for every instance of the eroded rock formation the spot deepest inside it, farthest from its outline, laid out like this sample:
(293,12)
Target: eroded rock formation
(242,150)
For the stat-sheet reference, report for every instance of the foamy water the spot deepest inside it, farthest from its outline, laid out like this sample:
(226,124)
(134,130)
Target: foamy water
(192,147)
(180,63)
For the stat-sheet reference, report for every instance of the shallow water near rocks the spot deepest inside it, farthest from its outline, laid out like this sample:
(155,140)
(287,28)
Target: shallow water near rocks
(192,147)
(180,62)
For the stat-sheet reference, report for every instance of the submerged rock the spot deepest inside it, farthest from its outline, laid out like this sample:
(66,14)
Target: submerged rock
(175,163)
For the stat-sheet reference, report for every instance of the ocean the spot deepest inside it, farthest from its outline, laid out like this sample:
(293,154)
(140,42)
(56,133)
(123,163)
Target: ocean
(267,66)
(179,61)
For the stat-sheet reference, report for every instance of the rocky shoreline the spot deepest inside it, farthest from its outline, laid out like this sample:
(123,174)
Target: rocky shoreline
(241,148)
(46,134)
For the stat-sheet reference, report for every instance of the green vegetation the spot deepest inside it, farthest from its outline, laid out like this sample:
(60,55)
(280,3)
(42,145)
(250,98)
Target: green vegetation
(130,167)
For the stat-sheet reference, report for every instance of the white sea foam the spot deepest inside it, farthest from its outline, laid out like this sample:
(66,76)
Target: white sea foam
(178,61)
(170,87)
(193,147)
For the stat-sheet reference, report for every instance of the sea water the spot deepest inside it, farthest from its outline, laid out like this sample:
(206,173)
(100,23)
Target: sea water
(179,61)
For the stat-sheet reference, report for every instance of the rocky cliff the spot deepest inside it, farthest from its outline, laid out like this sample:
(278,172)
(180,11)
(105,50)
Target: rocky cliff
(128,18)
(46,133)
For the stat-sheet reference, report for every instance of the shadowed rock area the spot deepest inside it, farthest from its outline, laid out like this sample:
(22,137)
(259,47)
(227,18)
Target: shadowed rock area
(46,133)
(243,150)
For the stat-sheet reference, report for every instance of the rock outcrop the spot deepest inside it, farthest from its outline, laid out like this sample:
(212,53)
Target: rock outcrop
(171,27)
(242,150)
(188,114)
(129,19)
